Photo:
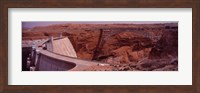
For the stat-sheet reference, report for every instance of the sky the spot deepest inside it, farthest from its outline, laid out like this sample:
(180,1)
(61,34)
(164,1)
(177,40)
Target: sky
(30,24)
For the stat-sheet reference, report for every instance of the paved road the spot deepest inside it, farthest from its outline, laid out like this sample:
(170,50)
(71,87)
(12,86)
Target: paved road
(80,64)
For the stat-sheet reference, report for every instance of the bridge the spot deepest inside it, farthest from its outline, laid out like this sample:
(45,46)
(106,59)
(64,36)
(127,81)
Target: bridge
(56,54)
(106,33)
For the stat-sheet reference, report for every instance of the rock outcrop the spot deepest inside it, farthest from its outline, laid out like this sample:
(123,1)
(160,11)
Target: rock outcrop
(166,47)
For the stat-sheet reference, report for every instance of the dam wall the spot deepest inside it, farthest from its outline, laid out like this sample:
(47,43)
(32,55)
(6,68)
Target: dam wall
(48,63)
(40,58)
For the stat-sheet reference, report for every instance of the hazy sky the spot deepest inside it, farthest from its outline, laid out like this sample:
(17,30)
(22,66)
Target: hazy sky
(30,24)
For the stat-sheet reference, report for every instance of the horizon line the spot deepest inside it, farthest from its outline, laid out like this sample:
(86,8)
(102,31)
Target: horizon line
(31,24)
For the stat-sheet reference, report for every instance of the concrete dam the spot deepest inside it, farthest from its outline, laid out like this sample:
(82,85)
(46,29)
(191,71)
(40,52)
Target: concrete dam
(53,54)
(58,54)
